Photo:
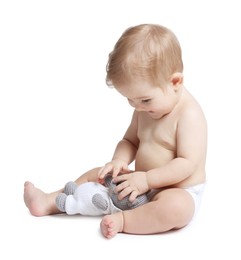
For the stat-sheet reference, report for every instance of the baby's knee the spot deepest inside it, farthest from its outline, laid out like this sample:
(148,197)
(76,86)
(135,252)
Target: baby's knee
(183,209)
(178,205)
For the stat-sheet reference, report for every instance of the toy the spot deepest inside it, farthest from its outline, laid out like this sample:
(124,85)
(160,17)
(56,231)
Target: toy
(94,199)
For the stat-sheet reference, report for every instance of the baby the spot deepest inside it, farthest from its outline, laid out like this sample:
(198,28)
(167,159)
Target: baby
(166,139)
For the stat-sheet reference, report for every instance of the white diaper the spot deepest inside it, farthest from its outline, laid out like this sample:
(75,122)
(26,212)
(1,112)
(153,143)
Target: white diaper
(196,192)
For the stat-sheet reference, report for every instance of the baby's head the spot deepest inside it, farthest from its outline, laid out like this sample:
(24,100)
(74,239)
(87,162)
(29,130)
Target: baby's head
(147,52)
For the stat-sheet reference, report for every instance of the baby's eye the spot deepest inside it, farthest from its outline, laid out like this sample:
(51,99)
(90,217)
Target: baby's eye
(146,101)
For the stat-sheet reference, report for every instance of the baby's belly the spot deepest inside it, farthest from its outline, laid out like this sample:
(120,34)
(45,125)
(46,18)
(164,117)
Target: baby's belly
(150,157)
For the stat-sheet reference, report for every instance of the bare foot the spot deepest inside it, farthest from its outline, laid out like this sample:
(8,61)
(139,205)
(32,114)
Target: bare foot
(112,224)
(38,202)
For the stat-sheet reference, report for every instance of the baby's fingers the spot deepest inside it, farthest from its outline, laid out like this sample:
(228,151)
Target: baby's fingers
(104,170)
(121,186)
(115,172)
(125,192)
(120,178)
(133,196)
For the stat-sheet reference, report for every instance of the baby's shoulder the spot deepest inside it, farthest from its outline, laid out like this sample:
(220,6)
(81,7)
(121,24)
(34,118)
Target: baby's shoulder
(190,107)
(191,112)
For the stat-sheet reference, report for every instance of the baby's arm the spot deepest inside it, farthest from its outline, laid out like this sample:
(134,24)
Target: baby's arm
(191,151)
(125,152)
(190,159)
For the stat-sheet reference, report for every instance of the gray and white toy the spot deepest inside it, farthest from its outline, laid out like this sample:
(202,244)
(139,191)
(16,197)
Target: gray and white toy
(123,204)
(94,199)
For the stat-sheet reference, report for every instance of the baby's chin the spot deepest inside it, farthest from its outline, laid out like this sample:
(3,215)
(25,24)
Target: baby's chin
(154,115)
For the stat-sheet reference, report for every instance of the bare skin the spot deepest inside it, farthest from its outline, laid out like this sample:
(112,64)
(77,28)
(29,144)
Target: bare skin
(41,204)
(160,155)
(167,140)
(170,213)
(38,202)
(112,224)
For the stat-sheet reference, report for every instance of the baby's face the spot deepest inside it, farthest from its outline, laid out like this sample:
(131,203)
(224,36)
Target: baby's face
(150,99)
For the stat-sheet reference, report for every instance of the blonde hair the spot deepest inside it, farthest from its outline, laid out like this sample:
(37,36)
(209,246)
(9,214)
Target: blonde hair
(146,52)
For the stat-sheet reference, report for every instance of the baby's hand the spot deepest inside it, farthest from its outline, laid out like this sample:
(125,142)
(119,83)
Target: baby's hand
(133,184)
(115,166)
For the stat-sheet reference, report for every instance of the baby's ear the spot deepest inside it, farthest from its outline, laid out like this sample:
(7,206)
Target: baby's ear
(176,80)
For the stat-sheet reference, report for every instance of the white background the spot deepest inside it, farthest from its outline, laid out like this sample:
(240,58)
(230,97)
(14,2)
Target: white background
(59,119)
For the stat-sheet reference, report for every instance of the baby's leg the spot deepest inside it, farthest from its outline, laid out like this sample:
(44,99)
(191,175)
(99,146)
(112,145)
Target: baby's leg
(112,224)
(169,209)
(40,203)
